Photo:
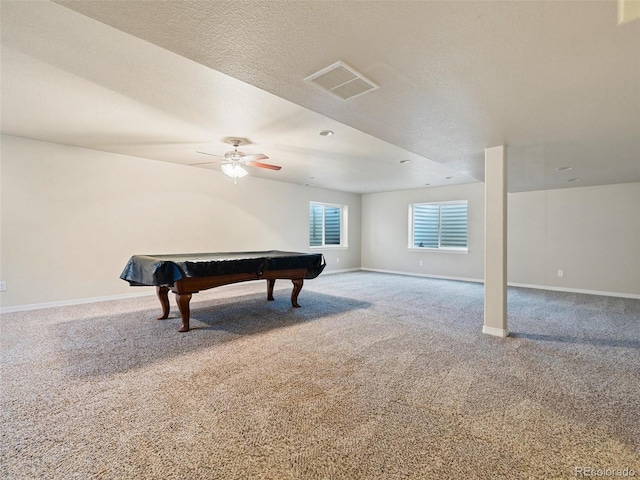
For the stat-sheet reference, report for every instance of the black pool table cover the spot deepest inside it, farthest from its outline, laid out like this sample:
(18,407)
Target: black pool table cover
(161,270)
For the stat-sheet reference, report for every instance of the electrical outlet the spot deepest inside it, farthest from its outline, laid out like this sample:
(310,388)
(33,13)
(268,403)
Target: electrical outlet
(3,286)
(337,259)
(561,273)
(420,262)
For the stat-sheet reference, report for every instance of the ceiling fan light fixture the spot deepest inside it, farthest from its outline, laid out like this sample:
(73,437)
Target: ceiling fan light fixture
(235,161)
(234,155)
(233,170)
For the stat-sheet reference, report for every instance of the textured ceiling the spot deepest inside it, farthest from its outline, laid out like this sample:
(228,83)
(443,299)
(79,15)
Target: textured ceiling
(558,82)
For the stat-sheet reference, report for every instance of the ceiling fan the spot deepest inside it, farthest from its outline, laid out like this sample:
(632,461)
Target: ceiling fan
(233,162)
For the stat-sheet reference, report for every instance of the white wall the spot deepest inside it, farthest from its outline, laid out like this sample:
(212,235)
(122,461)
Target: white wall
(385,233)
(72,217)
(591,233)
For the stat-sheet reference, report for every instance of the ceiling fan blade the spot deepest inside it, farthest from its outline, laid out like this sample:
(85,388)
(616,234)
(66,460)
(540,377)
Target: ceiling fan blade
(209,162)
(204,163)
(263,165)
(252,158)
(210,154)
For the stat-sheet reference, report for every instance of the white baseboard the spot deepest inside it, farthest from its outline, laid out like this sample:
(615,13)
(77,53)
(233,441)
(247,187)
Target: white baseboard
(80,301)
(576,290)
(75,301)
(411,274)
(346,270)
(496,332)
(511,284)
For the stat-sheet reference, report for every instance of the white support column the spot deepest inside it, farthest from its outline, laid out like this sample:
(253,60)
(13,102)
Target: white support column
(495,241)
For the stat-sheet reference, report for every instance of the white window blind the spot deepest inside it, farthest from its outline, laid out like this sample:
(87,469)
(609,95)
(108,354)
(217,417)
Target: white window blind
(316,225)
(439,225)
(326,225)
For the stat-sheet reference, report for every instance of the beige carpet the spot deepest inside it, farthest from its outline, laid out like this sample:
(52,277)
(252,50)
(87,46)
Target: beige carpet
(375,377)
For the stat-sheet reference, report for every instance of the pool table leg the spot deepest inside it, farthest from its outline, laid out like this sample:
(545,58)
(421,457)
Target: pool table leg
(163,296)
(270,284)
(183,299)
(297,286)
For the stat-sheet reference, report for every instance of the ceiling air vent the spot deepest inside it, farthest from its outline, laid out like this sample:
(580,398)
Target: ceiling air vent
(342,81)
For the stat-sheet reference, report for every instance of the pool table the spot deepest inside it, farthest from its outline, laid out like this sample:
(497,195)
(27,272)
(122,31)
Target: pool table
(186,274)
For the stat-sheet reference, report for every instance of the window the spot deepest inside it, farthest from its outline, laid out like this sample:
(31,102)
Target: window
(327,225)
(440,226)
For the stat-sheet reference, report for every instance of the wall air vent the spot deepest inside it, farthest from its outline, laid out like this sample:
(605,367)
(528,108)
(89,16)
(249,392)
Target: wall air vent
(342,81)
